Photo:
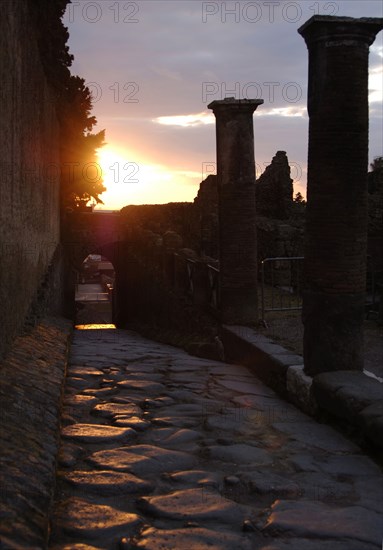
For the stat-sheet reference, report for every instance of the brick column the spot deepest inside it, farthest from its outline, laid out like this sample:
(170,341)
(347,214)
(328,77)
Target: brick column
(236,208)
(336,214)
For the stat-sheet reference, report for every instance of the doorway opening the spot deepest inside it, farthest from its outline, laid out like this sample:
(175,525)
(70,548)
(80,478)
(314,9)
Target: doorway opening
(94,293)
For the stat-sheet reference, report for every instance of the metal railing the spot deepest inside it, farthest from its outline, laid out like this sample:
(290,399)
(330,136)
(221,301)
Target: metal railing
(190,267)
(213,276)
(281,284)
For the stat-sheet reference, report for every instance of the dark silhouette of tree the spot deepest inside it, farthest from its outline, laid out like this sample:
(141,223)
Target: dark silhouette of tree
(375,177)
(299,198)
(81,178)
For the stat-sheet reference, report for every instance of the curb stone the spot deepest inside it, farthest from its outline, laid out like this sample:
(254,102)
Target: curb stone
(346,395)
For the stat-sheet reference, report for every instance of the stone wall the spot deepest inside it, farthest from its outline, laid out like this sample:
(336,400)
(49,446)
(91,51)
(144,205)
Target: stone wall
(279,220)
(32,378)
(29,162)
(274,189)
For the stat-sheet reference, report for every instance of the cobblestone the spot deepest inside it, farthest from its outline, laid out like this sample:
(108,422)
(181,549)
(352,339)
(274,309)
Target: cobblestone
(217,460)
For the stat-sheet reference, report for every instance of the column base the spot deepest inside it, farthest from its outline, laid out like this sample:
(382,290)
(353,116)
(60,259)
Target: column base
(333,332)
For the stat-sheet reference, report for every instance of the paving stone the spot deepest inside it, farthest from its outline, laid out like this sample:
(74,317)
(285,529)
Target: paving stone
(155,435)
(142,385)
(180,421)
(240,453)
(79,400)
(225,422)
(369,491)
(69,454)
(144,369)
(97,433)
(158,402)
(81,383)
(234,371)
(149,377)
(101,392)
(179,393)
(74,546)
(345,393)
(107,482)
(134,422)
(108,410)
(349,465)
(315,519)
(83,372)
(181,438)
(324,488)
(197,478)
(128,398)
(272,485)
(248,387)
(191,538)
(203,504)
(318,435)
(303,462)
(183,409)
(81,517)
(142,459)
(318,544)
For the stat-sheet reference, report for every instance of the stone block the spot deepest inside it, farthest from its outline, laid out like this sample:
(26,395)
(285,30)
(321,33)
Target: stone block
(345,393)
(299,389)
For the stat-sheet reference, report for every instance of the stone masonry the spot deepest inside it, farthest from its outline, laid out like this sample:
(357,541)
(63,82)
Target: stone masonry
(31,383)
(236,208)
(29,166)
(274,189)
(163,450)
(336,213)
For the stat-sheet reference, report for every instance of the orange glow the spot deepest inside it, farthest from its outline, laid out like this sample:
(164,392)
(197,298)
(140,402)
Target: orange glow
(94,327)
(141,182)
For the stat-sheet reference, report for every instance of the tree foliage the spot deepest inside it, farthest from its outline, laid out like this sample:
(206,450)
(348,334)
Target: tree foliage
(375,177)
(81,178)
(299,198)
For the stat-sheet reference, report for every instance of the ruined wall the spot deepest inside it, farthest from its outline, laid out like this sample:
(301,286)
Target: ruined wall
(160,218)
(274,189)
(29,163)
(279,220)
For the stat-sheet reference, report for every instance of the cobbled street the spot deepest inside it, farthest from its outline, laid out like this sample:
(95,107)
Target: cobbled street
(163,450)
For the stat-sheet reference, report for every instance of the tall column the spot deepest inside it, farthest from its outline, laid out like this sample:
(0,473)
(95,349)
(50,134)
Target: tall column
(336,214)
(236,208)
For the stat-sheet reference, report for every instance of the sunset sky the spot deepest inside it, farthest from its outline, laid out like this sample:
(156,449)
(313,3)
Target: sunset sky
(154,66)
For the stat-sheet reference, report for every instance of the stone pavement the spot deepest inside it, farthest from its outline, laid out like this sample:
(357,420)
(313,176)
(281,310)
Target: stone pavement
(163,450)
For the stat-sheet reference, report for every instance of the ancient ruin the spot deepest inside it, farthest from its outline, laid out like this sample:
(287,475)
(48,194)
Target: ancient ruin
(336,214)
(236,208)
(111,439)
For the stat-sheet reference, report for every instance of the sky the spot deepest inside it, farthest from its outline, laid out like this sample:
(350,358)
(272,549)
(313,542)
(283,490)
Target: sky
(153,66)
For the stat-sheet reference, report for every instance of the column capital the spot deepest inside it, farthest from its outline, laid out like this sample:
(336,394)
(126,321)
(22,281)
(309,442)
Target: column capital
(232,104)
(340,31)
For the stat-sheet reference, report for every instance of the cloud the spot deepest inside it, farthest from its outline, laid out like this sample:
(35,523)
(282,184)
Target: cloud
(199,119)
(285,112)
(155,77)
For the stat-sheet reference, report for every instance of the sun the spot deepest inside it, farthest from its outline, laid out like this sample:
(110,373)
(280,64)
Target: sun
(139,181)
